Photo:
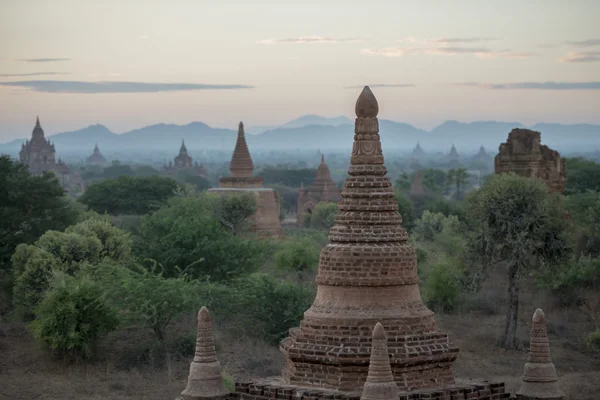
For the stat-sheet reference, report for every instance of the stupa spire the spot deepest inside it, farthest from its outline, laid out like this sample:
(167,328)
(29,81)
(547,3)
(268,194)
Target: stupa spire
(380,384)
(367,274)
(183,149)
(38,133)
(241,165)
(539,376)
(204,379)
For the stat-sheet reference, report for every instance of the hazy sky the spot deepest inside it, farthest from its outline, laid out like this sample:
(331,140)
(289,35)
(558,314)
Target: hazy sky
(130,63)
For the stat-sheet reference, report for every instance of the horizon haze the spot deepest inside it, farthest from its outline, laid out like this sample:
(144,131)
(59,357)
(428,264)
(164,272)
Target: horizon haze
(126,65)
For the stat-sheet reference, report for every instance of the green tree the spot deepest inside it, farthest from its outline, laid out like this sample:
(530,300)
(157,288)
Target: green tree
(79,249)
(517,223)
(149,299)
(323,216)
(72,317)
(186,235)
(403,182)
(461,176)
(232,211)
(582,175)
(433,180)
(129,195)
(406,210)
(298,255)
(287,176)
(29,206)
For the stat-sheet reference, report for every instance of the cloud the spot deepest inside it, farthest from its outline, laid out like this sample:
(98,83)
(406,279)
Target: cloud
(42,59)
(381,85)
(310,39)
(451,51)
(585,43)
(536,85)
(33,74)
(115,87)
(384,52)
(446,40)
(579,57)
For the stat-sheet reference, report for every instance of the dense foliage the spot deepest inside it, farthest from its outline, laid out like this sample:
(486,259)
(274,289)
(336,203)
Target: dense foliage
(129,195)
(185,235)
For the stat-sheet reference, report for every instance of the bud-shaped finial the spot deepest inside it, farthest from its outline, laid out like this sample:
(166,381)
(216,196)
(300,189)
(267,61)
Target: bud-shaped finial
(366,104)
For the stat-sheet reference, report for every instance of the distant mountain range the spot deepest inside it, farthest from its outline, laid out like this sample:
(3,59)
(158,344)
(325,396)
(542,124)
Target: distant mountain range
(312,132)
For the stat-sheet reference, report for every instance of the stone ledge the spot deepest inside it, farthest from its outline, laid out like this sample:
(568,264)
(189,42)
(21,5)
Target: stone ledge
(266,390)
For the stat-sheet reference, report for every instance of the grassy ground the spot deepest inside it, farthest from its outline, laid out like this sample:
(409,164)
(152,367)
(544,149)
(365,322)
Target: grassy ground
(26,372)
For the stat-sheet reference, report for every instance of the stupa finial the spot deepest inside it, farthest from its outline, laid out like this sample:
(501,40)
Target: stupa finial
(366,104)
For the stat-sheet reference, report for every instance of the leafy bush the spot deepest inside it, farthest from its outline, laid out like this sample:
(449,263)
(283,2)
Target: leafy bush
(593,341)
(76,250)
(323,216)
(298,255)
(185,236)
(129,195)
(431,224)
(406,210)
(442,290)
(116,243)
(72,317)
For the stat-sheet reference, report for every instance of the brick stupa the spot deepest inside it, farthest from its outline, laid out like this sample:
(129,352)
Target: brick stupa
(265,222)
(380,384)
(322,190)
(540,381)
(367,274)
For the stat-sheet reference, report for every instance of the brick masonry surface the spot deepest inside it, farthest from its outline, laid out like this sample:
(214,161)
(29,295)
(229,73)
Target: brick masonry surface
(273,391)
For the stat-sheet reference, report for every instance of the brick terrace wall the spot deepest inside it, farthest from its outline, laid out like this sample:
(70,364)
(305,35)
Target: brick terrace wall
(269,391)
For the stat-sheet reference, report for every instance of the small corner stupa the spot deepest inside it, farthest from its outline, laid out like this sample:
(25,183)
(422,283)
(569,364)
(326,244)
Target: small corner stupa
(241,179)
(540,381)
(96,158)
(204,380)
(380,384)
(322,190)
(367,275)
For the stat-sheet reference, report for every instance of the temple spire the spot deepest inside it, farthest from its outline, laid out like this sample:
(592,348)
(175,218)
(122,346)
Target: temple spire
(241,162)
(38,132)
(380,384)
(539,376)
(204,379)
(183,149)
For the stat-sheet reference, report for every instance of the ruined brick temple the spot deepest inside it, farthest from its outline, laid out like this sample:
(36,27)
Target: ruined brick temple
(322,190)
(524,155)
(368,335)
(266,222)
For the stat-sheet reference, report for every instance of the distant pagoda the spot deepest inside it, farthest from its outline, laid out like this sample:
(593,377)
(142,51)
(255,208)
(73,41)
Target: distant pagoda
(453,155)
(416,189)
(96,157)
(241,179)
(322,190)
(482,156)
(184,161)
(38,153)
(418,151)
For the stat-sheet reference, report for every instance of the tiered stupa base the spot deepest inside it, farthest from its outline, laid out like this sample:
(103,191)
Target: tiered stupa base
(278,390)
(265,222)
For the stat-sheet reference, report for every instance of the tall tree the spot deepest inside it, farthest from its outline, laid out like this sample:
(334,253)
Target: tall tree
(515,223)
(461,177)
(29,206)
